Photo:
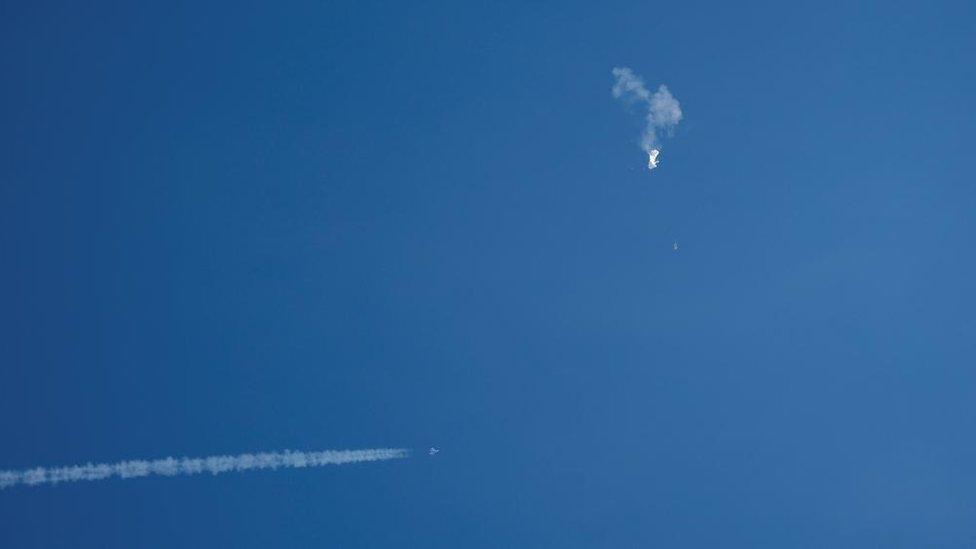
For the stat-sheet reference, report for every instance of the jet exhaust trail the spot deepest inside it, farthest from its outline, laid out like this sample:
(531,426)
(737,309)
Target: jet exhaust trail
(214,465)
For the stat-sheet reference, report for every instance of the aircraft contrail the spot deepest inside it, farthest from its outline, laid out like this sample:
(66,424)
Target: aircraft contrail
(214,465)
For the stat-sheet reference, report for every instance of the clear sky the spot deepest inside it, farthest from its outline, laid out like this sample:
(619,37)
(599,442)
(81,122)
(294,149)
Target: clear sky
(238,227)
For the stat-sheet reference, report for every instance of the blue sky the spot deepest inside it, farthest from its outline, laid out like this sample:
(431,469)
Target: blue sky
(227,228)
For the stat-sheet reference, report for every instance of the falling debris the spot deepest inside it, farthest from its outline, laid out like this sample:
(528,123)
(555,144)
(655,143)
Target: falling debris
(652,158)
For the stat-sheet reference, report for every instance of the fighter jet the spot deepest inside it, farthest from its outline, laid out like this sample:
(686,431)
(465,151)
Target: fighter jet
(433,451)
(652,158)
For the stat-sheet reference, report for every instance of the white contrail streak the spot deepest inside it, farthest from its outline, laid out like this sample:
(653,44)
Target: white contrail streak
(214,465)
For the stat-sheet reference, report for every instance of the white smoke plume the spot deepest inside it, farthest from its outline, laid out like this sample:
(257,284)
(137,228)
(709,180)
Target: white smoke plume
(663,110)
(214,465)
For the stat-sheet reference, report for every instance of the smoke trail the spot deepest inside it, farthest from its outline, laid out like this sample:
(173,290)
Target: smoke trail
(663,110)
(214,465)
